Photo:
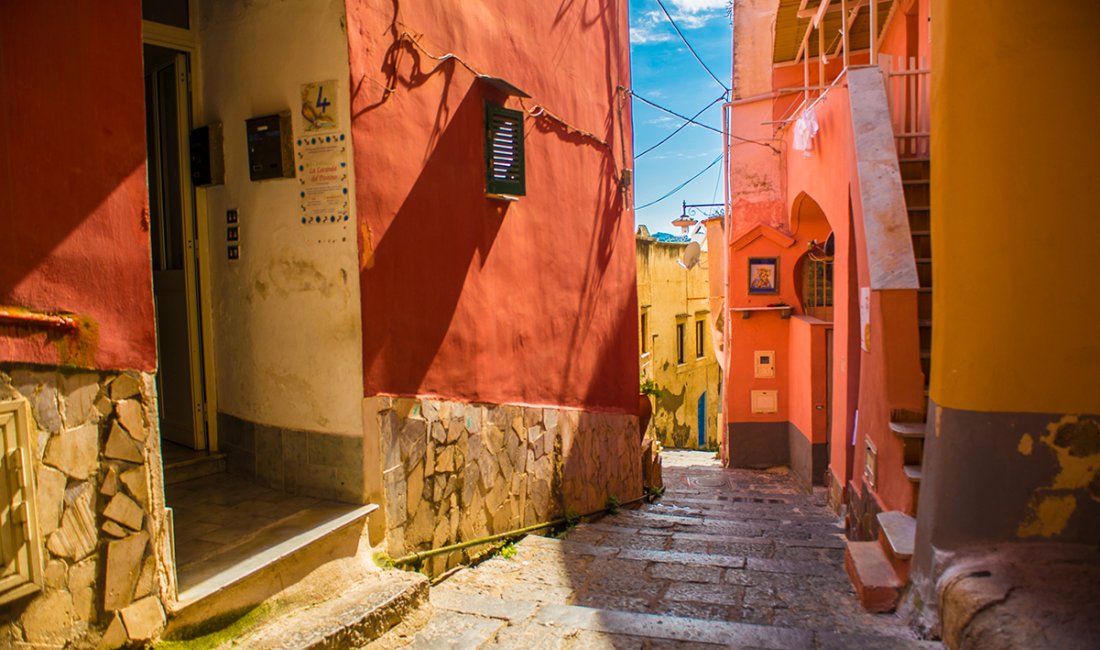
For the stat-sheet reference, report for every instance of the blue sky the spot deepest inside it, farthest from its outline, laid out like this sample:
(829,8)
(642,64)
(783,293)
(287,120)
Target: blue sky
(665,72)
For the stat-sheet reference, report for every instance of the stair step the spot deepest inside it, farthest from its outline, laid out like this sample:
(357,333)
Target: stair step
(917,181)
(913,473)
(194,467)
(355,615)
(921,233)
(908,429)
(900,530)
(924,322)
(919,208)
(278,554)
(924,260)
(875,581)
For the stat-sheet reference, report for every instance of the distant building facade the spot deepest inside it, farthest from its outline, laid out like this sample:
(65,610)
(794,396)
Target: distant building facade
(677,344)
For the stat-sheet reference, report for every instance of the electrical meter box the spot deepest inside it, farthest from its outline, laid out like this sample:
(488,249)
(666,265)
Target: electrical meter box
(765,401)
(270,147)
(764,364)
(207,161)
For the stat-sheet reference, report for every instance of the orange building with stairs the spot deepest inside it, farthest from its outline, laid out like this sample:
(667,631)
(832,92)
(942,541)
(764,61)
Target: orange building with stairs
(854,154)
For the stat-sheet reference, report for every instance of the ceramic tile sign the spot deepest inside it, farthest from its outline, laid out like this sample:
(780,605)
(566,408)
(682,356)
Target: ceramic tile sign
(323,179)
(319,107)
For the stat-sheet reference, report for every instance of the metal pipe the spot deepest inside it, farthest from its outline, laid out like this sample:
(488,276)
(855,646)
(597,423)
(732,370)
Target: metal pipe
(778,92)
(421,555)
(21,317)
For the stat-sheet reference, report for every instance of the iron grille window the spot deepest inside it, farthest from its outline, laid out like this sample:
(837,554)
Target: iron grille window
(504,172)
(700,328)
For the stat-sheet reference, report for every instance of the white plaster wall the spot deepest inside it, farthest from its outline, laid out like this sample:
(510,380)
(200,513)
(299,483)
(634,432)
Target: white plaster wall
(288,338)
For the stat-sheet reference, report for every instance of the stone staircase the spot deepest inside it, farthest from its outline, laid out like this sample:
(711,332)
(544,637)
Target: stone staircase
(879,569)
(729,558)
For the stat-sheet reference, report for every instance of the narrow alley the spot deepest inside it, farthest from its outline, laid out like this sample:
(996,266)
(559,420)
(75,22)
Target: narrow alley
(726,557)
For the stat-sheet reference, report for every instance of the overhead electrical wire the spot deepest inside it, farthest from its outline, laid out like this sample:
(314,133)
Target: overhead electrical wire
(681,185)
(690,120)
(690,48)
(680,128)
(672,112)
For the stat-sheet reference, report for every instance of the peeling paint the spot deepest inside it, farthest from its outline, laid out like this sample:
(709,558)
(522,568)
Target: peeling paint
(1049,517)
(1026,444)
(1076,445)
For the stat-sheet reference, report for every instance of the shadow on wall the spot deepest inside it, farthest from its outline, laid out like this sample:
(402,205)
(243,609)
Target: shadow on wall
(411,292)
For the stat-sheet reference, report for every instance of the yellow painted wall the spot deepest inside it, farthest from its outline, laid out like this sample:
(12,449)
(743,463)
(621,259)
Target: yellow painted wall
(1015,210)
(668,294)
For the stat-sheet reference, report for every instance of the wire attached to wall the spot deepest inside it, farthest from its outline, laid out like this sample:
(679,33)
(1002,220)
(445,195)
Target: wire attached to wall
(536,112)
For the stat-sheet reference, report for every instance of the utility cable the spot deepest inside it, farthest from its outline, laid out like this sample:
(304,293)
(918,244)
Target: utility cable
(681,185)
(705,126)
(672,112)
(680,128)
(690,48)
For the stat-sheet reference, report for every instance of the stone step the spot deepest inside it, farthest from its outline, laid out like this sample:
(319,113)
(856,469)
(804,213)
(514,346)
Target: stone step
(356,615)
(617,623)
(900,531)
(908,429)
(913,473)
(249,572)
(872,576)
(194,467)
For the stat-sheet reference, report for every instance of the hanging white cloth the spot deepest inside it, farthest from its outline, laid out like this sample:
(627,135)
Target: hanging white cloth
(805,128)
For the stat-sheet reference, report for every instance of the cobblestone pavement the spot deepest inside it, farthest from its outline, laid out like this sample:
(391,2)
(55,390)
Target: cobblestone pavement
(727,558)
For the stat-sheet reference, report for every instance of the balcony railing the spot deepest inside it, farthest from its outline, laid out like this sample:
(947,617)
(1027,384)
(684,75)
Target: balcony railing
(907,87)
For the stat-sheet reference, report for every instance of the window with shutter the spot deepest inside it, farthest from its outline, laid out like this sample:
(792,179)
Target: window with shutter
(504,173)
(20,546)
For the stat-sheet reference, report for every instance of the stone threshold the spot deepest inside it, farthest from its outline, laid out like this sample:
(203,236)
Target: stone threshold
(264,550)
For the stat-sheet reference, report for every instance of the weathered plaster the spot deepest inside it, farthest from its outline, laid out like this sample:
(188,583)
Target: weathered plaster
(668,294)
(1076,446)
(77,221)
(287,327)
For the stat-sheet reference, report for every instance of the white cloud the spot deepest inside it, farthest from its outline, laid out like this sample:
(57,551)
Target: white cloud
(648,33)
(696,6)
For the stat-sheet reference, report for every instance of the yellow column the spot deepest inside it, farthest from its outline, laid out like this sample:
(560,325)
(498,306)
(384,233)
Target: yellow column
(1016,206)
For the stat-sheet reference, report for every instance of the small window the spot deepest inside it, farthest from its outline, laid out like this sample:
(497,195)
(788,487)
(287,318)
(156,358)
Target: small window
(167,12)
(504,173)
(679,342)
(645,332)
(700,327)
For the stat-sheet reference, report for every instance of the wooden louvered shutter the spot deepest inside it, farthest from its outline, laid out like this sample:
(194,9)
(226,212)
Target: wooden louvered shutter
(20,545)
(504,172)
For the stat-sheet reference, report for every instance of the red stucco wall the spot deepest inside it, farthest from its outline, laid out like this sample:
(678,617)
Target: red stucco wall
(72,182)
(472,298)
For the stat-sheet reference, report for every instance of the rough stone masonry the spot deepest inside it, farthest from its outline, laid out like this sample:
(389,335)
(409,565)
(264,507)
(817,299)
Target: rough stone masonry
(98,483)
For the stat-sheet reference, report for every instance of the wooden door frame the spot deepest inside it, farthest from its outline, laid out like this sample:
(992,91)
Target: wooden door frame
(200,326)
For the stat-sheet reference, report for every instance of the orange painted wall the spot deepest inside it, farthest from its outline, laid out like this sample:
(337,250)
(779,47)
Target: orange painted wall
(471,298)
(806,356)
(72,182)
(826,176)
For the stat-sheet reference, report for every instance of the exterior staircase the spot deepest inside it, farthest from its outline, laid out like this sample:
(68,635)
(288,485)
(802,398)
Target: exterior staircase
(879,570)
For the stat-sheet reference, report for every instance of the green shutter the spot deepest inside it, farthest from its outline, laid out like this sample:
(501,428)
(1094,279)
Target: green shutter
(504,172)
